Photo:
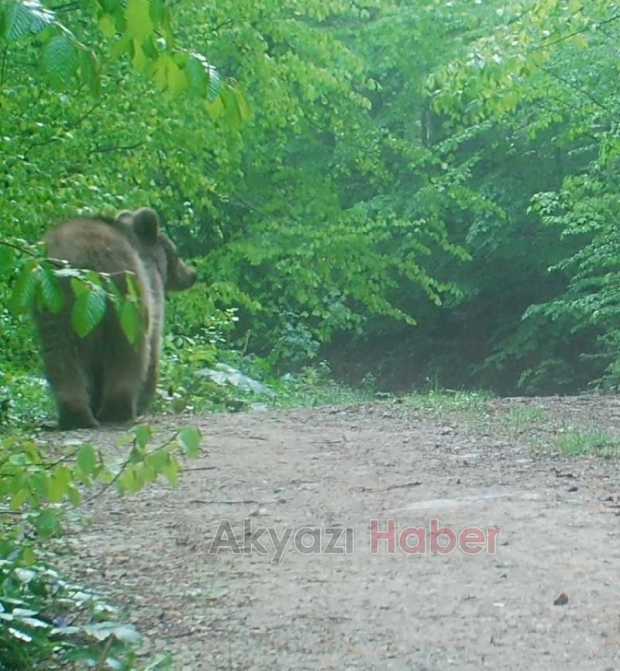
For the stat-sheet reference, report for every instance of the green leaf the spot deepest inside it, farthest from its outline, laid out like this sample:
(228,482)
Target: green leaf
(78,286)
(61,59)
(160,74)
(74,496)
(129,481)
(110,6)
(143,435)
(215,109)
(107,25)
(139,22)
(59,484)
(132,285)
(170,470)
(130,321)
(40,484)
(89,71)
(235,105)
(18,499)
(136,454)
(121,47)
(139,59)
(149,47)
(148,473)
(157,10)
(176,80)
(189,439)
(88,310)
(28,555)
(51,296)
(245,111)
(197,76)
(47,523)
(25,288)
(21,19)
(202,77)
(87,459)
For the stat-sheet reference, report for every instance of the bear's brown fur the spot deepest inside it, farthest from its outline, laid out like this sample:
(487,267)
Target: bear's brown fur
(102,377)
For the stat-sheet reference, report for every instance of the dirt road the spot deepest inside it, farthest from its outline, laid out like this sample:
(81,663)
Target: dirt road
(304,541)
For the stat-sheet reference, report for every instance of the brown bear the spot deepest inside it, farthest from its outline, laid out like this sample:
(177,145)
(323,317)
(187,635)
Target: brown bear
(103,377)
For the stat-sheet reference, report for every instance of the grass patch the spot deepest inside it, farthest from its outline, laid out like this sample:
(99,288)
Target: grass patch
(576,443)
(314,387)
(525,420)
(437,403)
(525,417)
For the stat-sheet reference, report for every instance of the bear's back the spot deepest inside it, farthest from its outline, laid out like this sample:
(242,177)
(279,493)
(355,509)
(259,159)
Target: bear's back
(94,244)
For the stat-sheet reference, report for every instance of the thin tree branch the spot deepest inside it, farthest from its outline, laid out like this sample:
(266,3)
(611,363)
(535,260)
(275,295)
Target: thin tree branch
(102,150)
(18,248)
(585,29)
(574,86)
(73,126)
(67,7)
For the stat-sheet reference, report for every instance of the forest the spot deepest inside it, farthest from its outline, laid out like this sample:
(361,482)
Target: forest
(389,195)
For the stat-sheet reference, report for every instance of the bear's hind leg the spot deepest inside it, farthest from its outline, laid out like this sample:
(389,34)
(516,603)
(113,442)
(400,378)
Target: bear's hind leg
(118,398)
(118,407)
(71,392)
(74,416)
(147,390)
(121,383)
(149,386)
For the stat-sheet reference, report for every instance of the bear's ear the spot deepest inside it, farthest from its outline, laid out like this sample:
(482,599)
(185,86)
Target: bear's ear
(146,223)
(125,216)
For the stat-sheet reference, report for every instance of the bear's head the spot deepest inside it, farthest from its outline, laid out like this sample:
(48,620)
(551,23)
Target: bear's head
(156,247)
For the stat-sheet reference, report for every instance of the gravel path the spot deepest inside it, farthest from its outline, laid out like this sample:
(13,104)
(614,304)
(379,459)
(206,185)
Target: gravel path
(304,540)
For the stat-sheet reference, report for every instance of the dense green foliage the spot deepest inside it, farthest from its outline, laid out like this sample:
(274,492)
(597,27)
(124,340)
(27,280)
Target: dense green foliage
(537,93)
(421,189)
(48,623)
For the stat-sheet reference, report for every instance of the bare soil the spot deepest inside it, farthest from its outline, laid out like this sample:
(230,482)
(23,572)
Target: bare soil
(533,584)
